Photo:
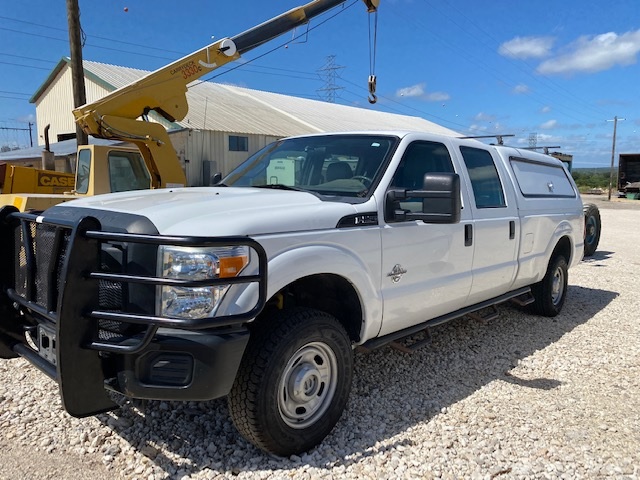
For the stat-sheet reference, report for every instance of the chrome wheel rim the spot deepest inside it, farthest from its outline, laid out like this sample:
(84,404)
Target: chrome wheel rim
(307,385)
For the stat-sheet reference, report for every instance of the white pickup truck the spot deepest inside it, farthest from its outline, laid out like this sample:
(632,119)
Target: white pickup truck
(261,287)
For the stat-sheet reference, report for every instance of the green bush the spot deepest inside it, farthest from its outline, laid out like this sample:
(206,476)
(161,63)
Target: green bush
(592,179)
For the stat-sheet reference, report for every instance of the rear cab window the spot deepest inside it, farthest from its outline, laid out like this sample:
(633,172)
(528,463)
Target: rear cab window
(537,179)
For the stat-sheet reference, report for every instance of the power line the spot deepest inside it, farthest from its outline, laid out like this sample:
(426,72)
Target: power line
(26,58)
(91,36)
(482,65)
(295,37)
(25,66)
(147,55)
(16,93)
(546,77)
(407,107)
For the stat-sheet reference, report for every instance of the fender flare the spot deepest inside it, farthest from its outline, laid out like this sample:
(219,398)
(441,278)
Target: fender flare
(308,260)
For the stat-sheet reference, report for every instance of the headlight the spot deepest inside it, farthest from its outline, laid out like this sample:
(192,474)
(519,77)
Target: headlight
(192,263)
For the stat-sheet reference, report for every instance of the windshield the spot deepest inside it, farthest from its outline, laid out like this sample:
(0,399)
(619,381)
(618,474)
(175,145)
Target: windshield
(341,165)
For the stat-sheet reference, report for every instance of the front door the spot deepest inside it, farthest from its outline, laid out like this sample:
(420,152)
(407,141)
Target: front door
(426,268)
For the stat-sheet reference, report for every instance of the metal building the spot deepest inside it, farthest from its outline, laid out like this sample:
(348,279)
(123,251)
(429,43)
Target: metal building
(225,123)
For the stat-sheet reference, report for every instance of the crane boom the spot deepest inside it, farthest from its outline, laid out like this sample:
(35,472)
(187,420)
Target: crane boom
(115,116)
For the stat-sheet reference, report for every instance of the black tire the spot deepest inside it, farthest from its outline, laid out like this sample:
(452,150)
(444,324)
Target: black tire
(592,228)
(293,382)
(551,292)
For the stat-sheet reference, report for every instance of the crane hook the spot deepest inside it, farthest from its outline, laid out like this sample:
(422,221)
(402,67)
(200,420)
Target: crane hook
(372,89)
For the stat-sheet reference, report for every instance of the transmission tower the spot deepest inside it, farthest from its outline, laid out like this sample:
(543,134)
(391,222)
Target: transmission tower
(328,73)
(533,140)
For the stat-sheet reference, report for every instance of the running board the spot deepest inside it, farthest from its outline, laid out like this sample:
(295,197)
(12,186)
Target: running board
(407,332)
(485,314)
(406,346)
(524,299)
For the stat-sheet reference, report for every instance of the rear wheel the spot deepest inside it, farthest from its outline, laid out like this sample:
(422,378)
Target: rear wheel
(551,292)
(293,382)
(592,228)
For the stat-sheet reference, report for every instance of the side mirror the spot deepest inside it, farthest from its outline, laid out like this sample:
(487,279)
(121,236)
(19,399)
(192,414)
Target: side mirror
(440,196)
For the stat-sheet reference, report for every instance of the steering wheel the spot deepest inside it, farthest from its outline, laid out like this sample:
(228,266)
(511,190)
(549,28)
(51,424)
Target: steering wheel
(365,180)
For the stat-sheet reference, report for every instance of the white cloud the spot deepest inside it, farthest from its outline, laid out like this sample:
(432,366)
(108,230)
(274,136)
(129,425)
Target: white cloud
(549,124)
(545,109)
(437,96)
(412,91)
(419,91)
(595,54)
(526,47)
(27,118)
(484,117)
(521,88)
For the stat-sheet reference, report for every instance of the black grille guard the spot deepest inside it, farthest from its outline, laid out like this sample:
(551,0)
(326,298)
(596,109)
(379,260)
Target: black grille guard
(70,311)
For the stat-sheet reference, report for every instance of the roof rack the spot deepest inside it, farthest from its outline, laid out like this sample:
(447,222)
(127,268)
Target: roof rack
(543,148)
(498,137)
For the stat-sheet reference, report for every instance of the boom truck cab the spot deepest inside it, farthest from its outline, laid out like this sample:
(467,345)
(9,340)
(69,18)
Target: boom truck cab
(99,169)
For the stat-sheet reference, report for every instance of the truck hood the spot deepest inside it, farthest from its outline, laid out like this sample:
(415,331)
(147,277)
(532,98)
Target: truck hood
(216,211)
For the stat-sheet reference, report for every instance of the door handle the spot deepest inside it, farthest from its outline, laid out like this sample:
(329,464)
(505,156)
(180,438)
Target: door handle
(468,235)
(512,229)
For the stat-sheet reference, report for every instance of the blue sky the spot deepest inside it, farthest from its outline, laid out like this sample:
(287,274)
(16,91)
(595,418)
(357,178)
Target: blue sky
(558,70)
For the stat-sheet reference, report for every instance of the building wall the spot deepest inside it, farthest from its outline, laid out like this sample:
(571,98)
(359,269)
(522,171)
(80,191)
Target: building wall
(55,105)
(197,147)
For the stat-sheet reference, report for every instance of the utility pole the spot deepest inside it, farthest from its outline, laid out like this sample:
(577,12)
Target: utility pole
(613,151)
(77,72)
(24,130)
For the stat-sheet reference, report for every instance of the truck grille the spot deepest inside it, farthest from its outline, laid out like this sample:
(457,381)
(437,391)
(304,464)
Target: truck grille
(46,246)
(48,255)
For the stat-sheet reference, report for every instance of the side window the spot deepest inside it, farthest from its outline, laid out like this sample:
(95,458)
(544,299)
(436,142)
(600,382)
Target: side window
(419,159)
(487,188)
(83,170)
(238,144)
(127,171)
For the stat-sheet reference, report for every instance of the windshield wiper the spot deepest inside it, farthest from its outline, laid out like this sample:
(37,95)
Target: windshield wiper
(281,186)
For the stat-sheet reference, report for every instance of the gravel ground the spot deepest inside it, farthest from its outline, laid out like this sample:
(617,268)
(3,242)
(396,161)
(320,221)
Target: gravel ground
(516,397)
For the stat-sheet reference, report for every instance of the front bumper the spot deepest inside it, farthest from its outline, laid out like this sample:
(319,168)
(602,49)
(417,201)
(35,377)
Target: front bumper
(53,313)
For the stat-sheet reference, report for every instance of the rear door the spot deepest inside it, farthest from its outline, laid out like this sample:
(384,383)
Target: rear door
(495,227)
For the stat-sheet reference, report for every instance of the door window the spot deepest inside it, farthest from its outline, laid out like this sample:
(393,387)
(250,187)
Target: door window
(487,187)
(83,171)
(419,159)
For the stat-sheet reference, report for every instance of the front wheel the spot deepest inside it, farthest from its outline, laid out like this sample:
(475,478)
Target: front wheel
(293,382)
(550,293)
